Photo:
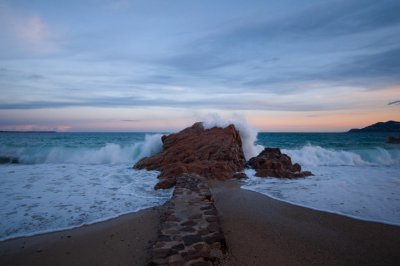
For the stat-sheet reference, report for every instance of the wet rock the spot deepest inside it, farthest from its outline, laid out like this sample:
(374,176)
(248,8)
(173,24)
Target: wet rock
(271,162)
(176,260)
(161,252)
(239,176)
(191,239)
(165,183)
(7,159)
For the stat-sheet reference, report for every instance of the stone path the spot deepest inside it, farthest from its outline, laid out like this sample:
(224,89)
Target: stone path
(190,233)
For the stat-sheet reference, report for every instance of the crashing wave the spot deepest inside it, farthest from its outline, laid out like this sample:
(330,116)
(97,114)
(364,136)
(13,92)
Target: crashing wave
(310,155)
(111,153)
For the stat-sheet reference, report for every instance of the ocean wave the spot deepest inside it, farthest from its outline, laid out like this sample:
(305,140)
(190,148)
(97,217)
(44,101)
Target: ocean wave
(110,153)
(310,155)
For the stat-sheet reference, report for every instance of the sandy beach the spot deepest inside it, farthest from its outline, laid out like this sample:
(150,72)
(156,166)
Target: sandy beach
(125,240)
(263,231)
(258,230)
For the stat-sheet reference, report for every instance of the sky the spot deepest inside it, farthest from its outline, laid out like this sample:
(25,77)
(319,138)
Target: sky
(153,65)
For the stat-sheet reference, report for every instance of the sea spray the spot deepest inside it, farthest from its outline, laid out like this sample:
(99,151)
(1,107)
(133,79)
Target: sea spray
(247,133)
(151,145)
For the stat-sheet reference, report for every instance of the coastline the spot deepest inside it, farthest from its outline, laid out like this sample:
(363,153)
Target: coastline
(259,230)
(125,240)
(385,222)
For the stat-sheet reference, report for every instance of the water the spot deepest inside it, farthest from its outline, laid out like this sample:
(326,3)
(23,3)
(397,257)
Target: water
(65,180)
(356,175)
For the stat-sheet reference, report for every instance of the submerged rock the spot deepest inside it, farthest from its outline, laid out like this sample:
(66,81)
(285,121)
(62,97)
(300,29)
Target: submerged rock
(211,153)
(7,159)
(271,162)
(393,140)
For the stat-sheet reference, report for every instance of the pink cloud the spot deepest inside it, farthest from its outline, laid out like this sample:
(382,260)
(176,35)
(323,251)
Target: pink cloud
(59,128)
(24,31)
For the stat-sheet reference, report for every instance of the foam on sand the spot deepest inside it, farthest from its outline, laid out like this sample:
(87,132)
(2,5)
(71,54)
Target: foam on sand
(47,197)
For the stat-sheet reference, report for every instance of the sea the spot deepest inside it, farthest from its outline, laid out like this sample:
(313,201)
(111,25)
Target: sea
(64,180)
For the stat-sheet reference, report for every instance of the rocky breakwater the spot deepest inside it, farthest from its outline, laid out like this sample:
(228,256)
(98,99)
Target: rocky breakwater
(271,162)
(210,153)
(190,232)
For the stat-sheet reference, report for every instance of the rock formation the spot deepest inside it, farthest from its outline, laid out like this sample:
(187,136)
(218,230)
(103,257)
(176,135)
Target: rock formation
(393,140)
(389,126)
(211,153)
(271,162)
(7,159)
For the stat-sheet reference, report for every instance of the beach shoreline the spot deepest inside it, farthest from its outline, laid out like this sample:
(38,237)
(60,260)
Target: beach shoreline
(258,230)
(125,240)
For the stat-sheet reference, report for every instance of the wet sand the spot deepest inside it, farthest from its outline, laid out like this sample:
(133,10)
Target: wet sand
(262,231)
(125,240)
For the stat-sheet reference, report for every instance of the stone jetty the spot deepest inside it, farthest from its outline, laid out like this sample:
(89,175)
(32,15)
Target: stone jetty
(190,232)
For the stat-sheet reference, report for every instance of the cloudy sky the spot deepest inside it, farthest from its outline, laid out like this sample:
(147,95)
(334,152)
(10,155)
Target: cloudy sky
(151,65)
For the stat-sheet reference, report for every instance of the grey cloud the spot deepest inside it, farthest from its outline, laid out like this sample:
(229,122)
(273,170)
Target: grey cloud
(211,102)
(328,19)
(19,74)
(382,67)
(395,102)
(131,120)
(320,30)
(199,61)
(35,76)
(371,70)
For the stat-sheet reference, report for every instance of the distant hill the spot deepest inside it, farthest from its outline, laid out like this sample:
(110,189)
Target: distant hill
(389,126)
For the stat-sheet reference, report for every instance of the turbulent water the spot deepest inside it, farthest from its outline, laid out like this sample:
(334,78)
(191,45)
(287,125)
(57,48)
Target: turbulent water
(356,174)
(64,180)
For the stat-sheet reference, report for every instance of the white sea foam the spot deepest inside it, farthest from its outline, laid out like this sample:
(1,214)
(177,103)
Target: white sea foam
(363,184)
(310,155)
(151,145)
(46,197)
(110,153)
(248,134)
(367,192)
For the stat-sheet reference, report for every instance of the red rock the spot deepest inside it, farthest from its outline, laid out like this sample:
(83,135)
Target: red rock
(271,162)
(239,176)
(165,183)
(211,153)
